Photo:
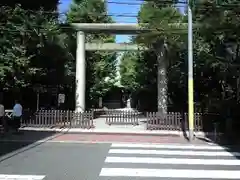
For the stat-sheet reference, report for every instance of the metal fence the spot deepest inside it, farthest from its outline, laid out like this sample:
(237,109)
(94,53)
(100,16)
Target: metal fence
(155,121)
(59,118)
(121,117)
(172,121)
(198,121)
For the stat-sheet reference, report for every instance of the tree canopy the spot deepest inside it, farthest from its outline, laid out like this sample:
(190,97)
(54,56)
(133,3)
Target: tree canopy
(30,5)
(28,41)
(37,50)
(216,52)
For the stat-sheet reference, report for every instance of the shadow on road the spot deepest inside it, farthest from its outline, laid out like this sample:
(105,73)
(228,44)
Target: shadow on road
(183,128)
(215,125)
(12,144)
(232,146)
(215,132)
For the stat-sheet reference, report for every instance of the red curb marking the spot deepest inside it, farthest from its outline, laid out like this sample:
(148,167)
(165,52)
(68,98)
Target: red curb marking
(119,138)
(109,138)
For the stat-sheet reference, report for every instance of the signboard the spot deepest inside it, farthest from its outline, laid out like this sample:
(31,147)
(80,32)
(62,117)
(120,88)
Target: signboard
(100,102)
(61,98)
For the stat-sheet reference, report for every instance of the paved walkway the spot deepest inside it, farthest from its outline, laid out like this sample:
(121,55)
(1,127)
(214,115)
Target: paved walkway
(100,123)
(44,136)
(113,130)
(124,138)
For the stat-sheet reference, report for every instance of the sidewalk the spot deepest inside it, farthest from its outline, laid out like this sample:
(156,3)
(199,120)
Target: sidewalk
(115,131)
(31,135)
(68,137)
(110,138)
(119,135)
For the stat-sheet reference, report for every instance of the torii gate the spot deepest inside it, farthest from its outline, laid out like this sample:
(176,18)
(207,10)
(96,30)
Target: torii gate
(109,28)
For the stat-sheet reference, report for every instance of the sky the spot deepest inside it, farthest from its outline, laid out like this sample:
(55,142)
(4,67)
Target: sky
(114,9)
(124,9)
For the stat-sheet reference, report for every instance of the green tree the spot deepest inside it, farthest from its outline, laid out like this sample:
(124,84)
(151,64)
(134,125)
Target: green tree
(217,53)
(37,5)
(129,70)
(33,50)
(26,39)
(165,39)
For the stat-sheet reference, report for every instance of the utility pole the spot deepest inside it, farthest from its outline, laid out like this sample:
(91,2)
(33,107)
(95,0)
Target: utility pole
(190,75)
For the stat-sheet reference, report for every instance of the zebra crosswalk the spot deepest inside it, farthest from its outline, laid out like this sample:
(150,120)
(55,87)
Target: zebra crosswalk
(171,162)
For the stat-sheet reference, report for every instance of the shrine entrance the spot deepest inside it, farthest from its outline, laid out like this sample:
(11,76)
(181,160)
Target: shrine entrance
(82,46)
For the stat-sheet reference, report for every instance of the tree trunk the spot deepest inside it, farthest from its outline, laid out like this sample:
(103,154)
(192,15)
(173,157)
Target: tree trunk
(162,80)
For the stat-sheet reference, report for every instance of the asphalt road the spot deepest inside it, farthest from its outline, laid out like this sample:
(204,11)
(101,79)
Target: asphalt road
(104,161)
(56,161)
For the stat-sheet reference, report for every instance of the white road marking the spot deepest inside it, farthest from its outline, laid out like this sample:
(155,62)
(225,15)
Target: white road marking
(170,152)
(168,146)
(20,177)
(146,160)
(219,158)
(170,173)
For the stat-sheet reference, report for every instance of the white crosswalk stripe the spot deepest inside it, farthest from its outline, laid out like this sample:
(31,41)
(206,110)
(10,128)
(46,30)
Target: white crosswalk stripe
(171,162)
(20,177)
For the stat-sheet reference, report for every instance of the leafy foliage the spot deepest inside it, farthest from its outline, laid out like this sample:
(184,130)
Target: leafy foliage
(28,42)
(46,5)
(216,51)
(129,70)
(166,25)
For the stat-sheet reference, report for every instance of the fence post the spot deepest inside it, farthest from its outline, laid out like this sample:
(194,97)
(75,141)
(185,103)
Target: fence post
(215,131)
(70,118)
(65,118)
(55,115)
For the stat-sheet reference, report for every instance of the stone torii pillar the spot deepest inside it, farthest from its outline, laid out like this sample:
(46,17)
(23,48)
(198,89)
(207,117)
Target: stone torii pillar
(80,73)
(109,28)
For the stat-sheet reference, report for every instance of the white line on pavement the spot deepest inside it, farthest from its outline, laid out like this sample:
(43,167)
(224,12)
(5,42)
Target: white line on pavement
(170,173)
(170,152)
(16,177)
(169,146)
(146,160)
